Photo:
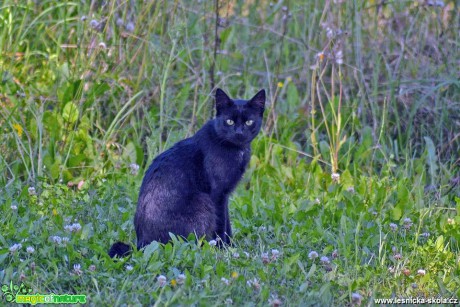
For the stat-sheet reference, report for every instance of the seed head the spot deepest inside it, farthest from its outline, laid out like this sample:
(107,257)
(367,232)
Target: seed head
(225,281)
(161,280)
(356,298)
(181,279)
(15,247)
(335,177)
(265,258)
(313,255)
(393,226)
(32,191)
(77,269)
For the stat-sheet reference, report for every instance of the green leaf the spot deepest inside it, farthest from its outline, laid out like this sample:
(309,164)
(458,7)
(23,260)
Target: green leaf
(396,212)
(3,257)
(292,96)
(431,158)
(439,244)
(70,113)
(150,249)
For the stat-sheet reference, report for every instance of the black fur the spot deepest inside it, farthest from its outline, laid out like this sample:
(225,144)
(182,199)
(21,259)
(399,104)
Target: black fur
(186,188)
(119,249)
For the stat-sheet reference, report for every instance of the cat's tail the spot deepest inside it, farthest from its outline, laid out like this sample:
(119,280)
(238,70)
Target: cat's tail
(120,249)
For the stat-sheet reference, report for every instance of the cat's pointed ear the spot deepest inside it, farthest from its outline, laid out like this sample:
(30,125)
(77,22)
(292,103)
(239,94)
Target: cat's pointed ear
(222,99)
(258,100)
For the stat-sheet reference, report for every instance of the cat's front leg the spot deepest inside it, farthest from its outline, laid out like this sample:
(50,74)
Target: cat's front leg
(224,230)
(228,227)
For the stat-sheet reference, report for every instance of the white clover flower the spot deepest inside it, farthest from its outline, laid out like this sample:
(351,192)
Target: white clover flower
(393,226)
(275,252)
(265,258)
(32,191)
(15,247)
(228,301)
(335,177)
(225,281)
(351,189)
(325,260)
(102,45)
(275,302)
(92,268)
(356,298)
(438,3)
(130,27)
(130,268)
(14,207)
(119,22)
(407,223)
(77,269)
(313,255)
(236,255)
(339,57)
(335,254)
(30,249)
(134,169)
(213,242)
(75,227)
(161,280)
(56,239)
(253,283)
(421,272)
(181,279)
(329,33)
(94,23)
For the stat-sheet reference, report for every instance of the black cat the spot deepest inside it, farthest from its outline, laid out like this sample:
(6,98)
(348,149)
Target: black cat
(186,188)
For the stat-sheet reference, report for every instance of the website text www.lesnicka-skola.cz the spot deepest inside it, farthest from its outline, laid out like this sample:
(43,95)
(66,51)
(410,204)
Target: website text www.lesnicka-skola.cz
(417,300)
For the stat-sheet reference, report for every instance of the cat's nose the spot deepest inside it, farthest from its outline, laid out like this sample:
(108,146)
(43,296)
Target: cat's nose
(239,131)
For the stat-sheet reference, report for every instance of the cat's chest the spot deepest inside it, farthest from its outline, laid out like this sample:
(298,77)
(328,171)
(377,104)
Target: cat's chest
(226,168)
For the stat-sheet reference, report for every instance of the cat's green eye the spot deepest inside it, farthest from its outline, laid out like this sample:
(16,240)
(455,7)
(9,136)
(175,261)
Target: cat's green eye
(249,122)
(230,122)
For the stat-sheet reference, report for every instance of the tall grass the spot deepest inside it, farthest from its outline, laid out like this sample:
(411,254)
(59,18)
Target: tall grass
(396,75)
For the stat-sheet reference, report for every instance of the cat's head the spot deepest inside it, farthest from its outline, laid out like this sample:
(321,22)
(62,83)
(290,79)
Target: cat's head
(238,121)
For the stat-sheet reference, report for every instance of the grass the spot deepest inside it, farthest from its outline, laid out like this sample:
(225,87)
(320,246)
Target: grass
(358,161)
